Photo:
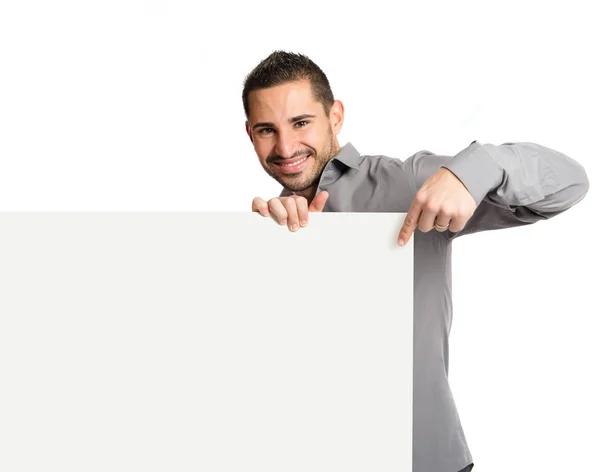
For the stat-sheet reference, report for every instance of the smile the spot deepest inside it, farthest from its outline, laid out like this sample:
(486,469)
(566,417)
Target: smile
(294,163)
(294,167)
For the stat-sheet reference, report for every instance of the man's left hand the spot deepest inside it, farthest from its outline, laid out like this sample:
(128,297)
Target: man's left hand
(443,202)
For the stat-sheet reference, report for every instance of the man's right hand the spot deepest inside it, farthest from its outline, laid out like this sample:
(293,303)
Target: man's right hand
(292,210)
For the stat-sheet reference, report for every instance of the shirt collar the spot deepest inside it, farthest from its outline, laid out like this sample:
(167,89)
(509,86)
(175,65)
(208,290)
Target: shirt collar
(349,156)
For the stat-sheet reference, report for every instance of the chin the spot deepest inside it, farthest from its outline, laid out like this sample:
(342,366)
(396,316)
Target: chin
(298,176)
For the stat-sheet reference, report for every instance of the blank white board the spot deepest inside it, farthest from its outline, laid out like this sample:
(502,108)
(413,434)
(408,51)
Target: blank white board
(205,342)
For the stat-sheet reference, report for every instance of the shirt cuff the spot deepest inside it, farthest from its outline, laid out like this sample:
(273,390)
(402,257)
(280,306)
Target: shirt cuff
(477,170)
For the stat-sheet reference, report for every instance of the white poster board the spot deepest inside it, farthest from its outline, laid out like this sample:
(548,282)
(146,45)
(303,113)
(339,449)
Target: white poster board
(206,342)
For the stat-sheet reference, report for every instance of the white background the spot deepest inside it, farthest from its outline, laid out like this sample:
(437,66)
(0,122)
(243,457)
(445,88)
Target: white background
(136,105)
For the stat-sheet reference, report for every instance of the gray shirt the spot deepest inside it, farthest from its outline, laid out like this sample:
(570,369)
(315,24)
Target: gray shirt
(513,184)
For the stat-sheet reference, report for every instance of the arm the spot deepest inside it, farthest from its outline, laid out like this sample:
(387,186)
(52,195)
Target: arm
(512,184)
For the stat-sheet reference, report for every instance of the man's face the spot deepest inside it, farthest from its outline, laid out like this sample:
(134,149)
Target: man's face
(292,136)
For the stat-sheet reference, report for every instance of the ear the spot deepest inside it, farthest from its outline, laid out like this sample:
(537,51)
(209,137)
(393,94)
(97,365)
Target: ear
(336,116)
(249,132)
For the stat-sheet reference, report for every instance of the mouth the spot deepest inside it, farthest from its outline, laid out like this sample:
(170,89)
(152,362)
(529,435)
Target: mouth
(292,166)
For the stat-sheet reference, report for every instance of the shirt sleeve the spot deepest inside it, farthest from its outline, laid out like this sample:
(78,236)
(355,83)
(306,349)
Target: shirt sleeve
(512,184)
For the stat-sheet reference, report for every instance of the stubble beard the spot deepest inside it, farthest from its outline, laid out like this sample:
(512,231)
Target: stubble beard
(299,182)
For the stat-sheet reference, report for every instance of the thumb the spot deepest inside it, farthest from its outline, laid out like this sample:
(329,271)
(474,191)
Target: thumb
(318,202)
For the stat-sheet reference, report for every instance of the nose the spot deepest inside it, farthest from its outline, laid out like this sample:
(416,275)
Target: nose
(287,144)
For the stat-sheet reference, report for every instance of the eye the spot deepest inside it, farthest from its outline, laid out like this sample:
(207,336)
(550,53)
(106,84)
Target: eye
(301,124)
(265,131)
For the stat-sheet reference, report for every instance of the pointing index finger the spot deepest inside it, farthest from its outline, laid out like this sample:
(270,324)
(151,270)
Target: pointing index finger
(410,223)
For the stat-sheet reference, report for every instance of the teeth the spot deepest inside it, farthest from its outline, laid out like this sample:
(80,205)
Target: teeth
(295,163)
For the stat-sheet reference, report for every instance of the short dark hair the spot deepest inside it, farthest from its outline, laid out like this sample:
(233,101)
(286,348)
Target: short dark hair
(281,67)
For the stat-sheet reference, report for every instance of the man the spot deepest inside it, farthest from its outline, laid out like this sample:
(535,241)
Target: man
(293,121)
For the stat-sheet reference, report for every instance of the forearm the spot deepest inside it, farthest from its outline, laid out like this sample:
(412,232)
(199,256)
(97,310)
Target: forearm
(521,174)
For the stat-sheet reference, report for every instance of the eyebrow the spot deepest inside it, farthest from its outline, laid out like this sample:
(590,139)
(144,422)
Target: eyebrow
(268,124)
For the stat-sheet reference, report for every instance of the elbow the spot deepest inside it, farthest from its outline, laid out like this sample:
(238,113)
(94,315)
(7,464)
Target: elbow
(572,194)
(580,186)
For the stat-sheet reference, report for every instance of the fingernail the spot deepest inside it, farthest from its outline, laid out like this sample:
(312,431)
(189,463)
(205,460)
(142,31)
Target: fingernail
(303,223)
(401,242)
(294,227)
